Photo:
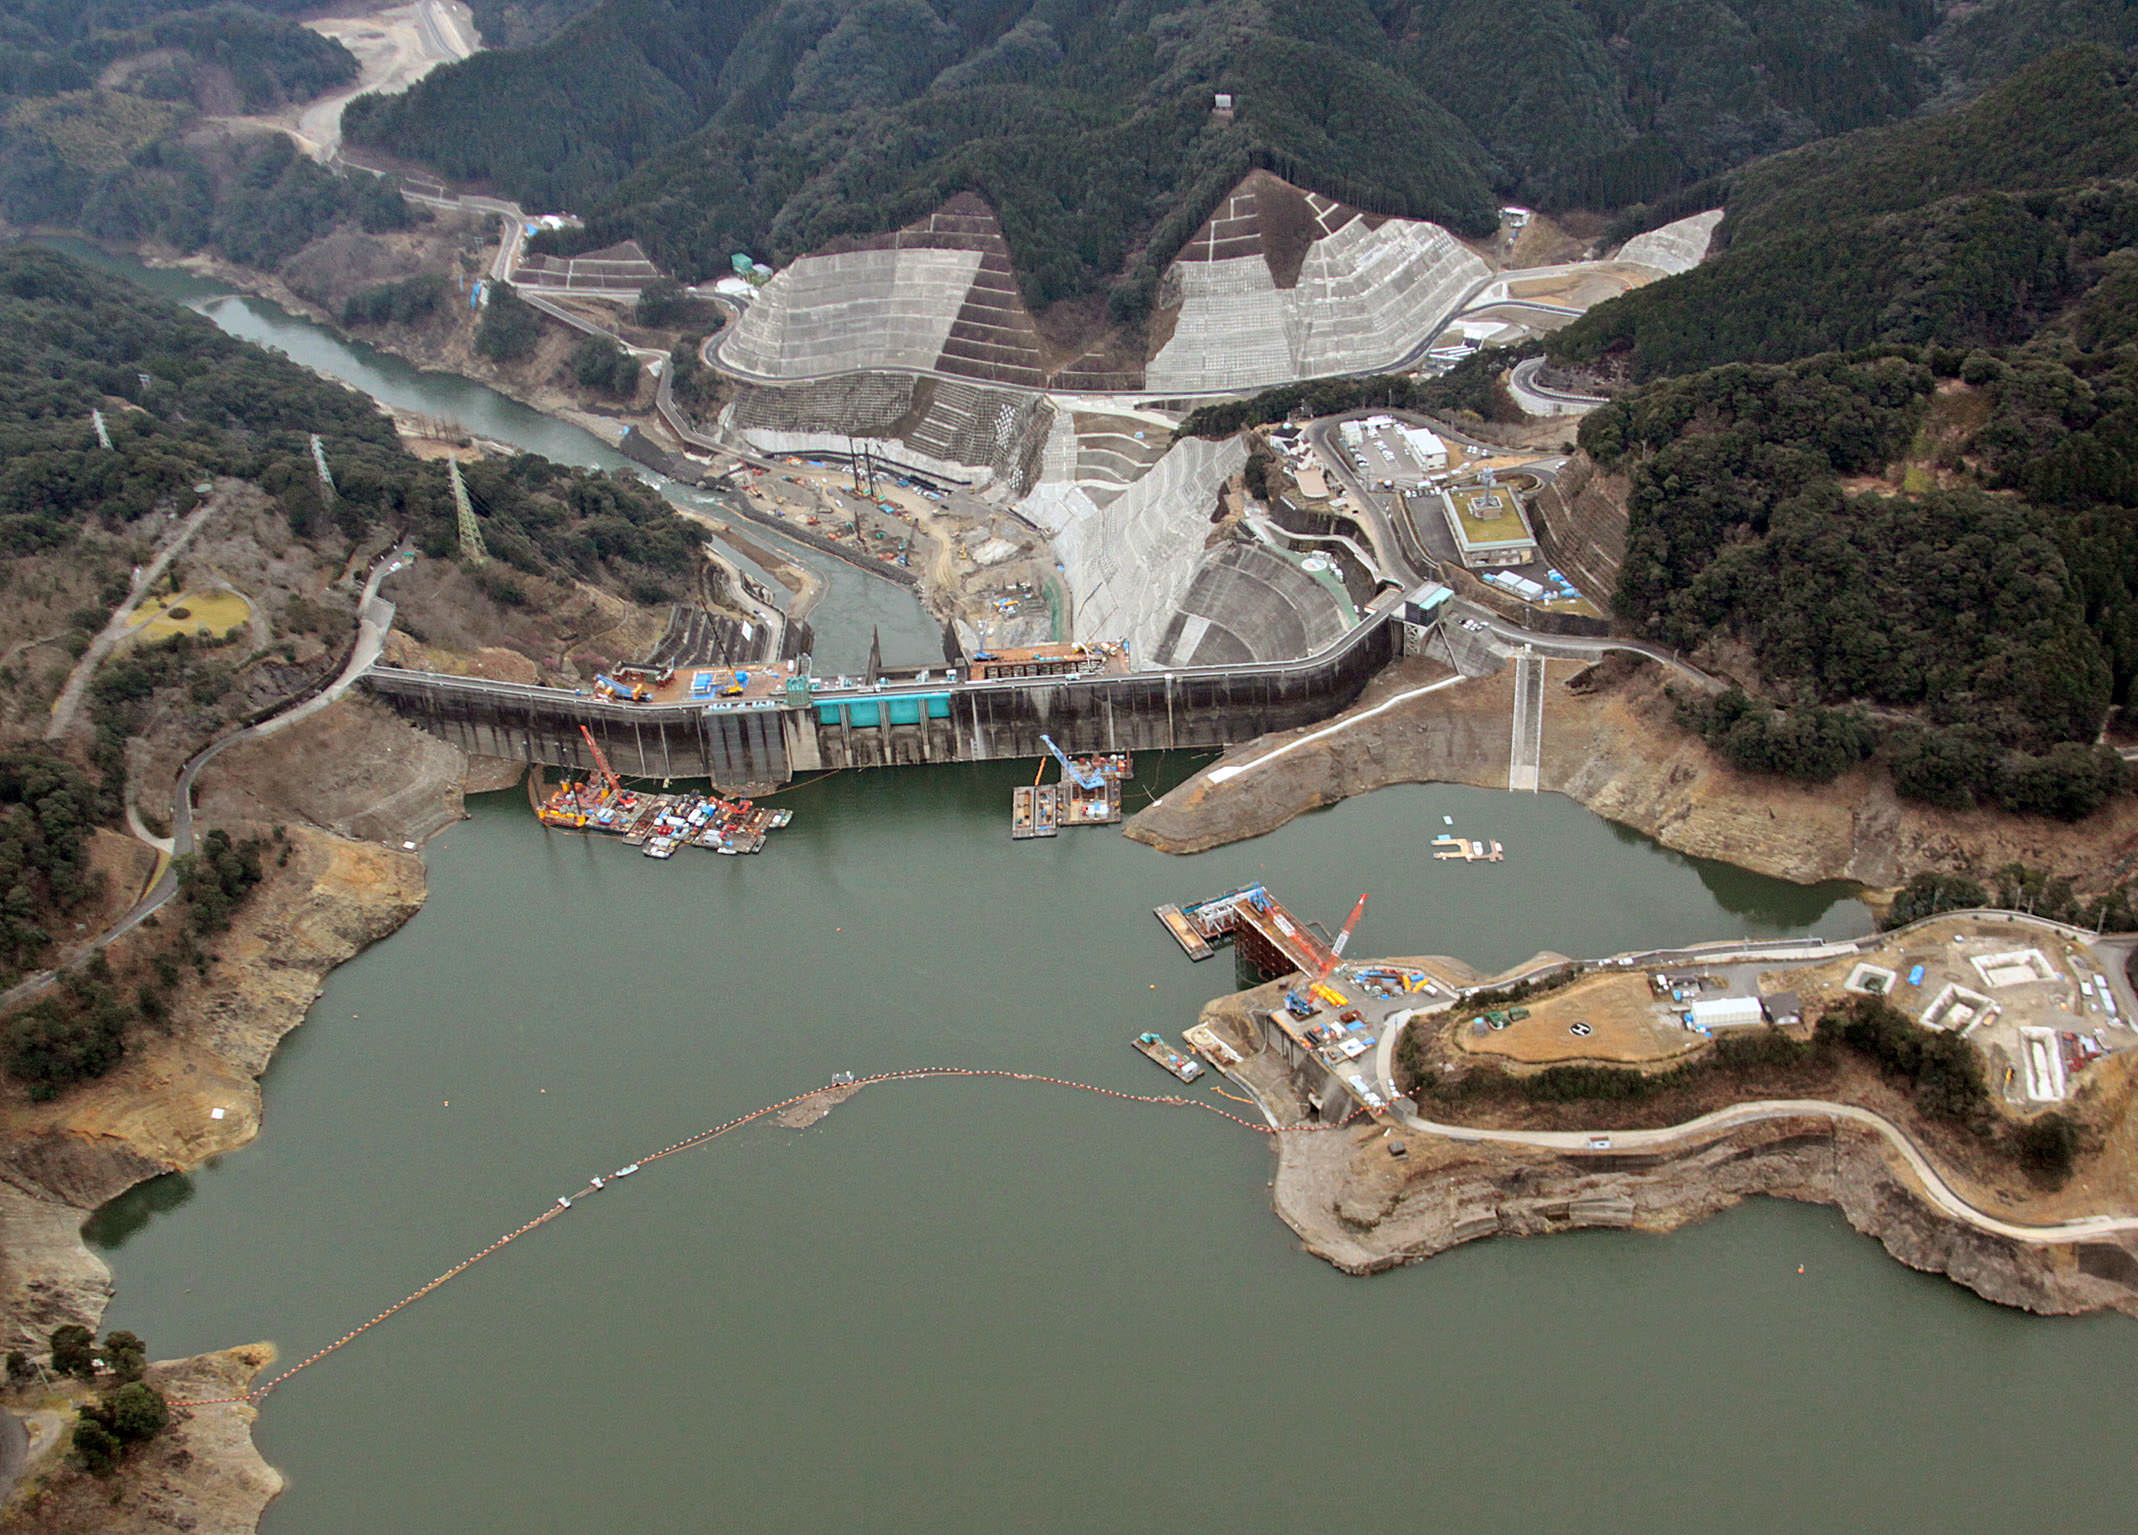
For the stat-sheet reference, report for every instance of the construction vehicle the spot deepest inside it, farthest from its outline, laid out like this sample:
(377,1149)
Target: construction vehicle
(1087,779)
(631,692)
(1297,1005)
(601,761)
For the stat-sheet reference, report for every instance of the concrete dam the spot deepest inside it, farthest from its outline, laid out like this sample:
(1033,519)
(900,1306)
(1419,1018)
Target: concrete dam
(898,718)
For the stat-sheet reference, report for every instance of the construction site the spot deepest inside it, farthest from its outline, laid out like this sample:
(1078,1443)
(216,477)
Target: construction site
(1037,493)
(2038,1007)
(1089,794)
(656,824)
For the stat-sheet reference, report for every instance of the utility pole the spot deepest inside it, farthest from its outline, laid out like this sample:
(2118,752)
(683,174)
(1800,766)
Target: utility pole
(471,533)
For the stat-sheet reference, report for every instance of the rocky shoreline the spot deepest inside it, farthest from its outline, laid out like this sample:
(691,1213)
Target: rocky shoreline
(1362,1219)
(1360,1207)
(193,1092)
(1611,743)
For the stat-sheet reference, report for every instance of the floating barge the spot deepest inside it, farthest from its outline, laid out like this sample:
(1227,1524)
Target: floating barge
(658,824)
(1183,931)
(1185,1067)
(1089,794)
(1468,849)
(1024,814)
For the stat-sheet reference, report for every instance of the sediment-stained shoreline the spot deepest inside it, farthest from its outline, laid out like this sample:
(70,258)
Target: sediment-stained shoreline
(1610,741)
(1362,1208)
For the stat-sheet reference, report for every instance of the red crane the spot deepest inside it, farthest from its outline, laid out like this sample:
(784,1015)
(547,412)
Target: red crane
(601,760)
(1336,949)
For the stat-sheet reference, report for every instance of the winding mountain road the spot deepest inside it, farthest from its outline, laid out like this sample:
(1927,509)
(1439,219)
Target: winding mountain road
(69,702)
(1930,1181)
(374,620)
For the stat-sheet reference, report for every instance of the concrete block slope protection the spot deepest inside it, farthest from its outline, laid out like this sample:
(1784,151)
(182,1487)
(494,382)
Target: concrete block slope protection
(852,312)
(1365,299)
(1129,562)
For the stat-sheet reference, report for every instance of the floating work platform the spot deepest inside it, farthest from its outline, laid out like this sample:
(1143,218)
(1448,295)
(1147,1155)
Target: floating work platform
(1184,933)
(1093,801)
(1269,937)
(1185,1067)
(1024,813)
(658,824)
(1468,849)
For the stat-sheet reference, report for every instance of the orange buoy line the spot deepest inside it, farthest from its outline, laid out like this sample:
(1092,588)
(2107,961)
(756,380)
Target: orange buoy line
(911,1074)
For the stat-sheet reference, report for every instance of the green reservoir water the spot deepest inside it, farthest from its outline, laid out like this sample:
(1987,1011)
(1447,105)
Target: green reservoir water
(980,1306)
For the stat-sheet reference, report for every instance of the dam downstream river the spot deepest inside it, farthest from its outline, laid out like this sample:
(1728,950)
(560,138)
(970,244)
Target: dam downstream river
(854,607)
(979,1306)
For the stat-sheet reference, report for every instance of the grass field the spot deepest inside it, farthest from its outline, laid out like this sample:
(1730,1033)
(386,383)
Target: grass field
(214,613)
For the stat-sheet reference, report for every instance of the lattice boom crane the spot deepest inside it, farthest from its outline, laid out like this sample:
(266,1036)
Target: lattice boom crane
(601,760)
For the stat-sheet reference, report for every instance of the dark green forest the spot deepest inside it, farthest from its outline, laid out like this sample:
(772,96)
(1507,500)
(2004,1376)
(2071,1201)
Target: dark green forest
(1969,227)
(1979,625)
(72,340)
(102,127)
(778,125)
(258,50)
(1950,307)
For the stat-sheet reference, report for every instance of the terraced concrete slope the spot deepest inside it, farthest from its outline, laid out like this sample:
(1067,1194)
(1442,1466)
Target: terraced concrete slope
(1129,556)
(1676,247)
(1282,284)
(937,296)
(1251,603)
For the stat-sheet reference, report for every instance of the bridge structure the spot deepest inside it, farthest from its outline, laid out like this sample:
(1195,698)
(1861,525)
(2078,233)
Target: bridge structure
(899,717)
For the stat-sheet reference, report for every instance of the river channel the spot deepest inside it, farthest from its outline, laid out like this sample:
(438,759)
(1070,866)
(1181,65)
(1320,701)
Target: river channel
(981,1306)
(855,607)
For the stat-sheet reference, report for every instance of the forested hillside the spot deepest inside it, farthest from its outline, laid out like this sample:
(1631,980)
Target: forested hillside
(1919,535)
(72,340)
(1969,227)
(777,125)
(193,413)
(103,126)
(1935,551)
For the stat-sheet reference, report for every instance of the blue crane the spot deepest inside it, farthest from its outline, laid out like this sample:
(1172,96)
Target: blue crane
(1084,778)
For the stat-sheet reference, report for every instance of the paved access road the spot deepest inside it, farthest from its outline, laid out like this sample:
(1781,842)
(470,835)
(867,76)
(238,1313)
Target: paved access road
(374,619)
(1932,1184)
(1572,647)
(69,702)
(1543,400)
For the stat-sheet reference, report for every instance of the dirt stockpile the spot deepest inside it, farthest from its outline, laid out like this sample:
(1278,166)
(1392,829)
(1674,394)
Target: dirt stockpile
(1610,742)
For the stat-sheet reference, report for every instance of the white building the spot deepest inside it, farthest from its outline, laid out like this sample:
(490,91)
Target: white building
(1727,1012)
(1430,452)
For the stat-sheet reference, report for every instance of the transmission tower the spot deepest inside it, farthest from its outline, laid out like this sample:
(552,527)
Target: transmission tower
(96,418)
(326,475)
(471,533)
